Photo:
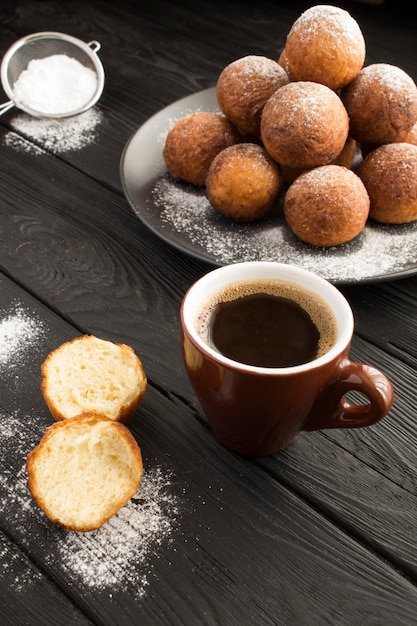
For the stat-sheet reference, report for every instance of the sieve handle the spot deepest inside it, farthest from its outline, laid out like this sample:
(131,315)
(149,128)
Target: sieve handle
(94,45)
(6,106)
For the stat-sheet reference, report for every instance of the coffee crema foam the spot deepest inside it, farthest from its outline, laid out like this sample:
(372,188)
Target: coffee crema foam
(318,310)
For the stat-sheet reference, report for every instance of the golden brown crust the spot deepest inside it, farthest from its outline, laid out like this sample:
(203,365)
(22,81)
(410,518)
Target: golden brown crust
(125,355)
(325,45)
(283,62)
(389,174)
(347,155)
(42,489)
(345,158)
(382,104)
(411,136)
(244,183)
(304,125)
(242,89)
(194,141)
(327,206)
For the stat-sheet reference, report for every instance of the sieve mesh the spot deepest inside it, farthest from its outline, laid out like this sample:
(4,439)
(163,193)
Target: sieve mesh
(46,44)
(40,49)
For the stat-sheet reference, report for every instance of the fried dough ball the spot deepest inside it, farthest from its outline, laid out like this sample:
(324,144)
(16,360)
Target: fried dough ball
(382,104)
(345,158)
(242,89)
(411,136)
(243,182)
(389,174)
(283,62)
(304,125)
(194,141)
(327,206)
(325,45)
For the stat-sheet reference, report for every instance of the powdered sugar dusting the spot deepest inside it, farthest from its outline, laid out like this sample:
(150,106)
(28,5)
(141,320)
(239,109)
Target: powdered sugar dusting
(377,252)
(15,572)
(20,144)
(337,23)
(389,77)
(55,85)
(19,332)
(110,556)
(118,555)
(306,107)
(115,557)
(53,135)
(254,67)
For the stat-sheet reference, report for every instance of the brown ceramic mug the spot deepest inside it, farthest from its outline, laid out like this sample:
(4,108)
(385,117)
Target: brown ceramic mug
(257,410)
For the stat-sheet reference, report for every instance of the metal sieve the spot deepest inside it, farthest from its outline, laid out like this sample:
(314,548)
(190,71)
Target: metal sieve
(42,45)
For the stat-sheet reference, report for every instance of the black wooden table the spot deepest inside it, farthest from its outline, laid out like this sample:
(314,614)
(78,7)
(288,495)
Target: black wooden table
(324,532)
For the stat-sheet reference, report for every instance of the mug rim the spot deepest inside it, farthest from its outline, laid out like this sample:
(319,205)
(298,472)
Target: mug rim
(217,278)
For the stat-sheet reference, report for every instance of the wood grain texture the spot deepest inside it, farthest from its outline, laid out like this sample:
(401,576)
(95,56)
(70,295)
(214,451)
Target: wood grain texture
(322,533)
(386,316)
(66,249)
(240,535)
(28,596)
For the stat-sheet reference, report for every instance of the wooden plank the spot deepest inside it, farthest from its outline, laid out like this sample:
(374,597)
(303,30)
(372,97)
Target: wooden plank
(28,596)
(373,499)
(242,545)
(330,519)
(82,250)
(385,314)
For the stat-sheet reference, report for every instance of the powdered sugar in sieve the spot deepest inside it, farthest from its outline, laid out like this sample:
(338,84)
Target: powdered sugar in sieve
(50,74)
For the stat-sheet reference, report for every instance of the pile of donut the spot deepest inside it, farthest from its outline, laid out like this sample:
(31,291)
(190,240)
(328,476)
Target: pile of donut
(296,125)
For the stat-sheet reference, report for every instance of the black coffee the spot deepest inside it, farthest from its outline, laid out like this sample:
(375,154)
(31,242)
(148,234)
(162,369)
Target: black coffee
(267,323)
(265,330)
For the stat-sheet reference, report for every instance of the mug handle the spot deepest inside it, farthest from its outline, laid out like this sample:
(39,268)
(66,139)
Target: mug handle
(333,409)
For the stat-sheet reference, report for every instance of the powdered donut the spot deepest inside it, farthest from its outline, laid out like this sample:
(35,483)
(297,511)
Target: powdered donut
(325,45)
(193,142)
(304,125)
(389,174)
(242,89)
(327,206)
(382,104)
(243,182)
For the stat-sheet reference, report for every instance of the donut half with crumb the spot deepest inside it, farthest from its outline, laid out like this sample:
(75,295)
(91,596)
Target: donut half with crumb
(84,470)
(92,374)
(244,182)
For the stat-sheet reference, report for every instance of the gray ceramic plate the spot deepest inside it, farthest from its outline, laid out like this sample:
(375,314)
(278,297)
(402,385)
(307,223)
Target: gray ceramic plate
(182,216)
